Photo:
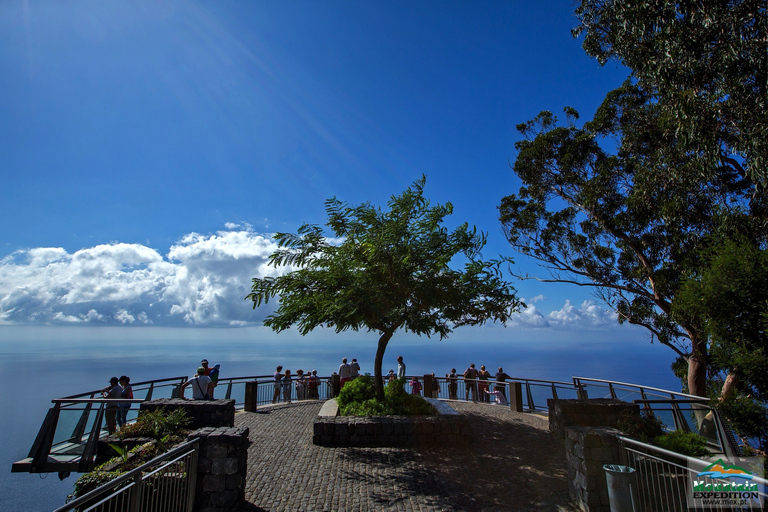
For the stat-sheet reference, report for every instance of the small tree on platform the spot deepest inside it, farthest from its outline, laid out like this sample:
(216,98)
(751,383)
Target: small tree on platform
(389,271)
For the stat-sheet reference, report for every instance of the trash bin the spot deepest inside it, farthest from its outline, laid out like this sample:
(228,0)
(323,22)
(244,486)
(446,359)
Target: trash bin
(622,487)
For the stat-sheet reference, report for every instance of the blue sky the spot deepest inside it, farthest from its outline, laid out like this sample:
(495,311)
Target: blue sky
(149,149)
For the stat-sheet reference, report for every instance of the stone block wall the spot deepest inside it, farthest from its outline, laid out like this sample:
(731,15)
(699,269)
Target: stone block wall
(203,413)
(448,427)
(221,468)
(599,412)
(587,450)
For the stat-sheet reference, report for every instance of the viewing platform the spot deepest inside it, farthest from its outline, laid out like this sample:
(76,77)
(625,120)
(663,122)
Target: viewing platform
(517,457)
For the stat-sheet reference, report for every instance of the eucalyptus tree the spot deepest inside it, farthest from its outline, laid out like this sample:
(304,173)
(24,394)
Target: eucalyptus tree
(623,206)
(383,271)
(705,60)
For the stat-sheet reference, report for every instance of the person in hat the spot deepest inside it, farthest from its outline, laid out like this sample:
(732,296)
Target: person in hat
(111,392)
(213,373)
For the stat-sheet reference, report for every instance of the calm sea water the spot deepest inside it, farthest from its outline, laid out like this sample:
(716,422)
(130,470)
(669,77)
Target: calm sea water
(37,370)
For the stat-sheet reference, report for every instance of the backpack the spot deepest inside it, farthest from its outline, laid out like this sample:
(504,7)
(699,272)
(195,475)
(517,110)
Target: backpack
(214,375)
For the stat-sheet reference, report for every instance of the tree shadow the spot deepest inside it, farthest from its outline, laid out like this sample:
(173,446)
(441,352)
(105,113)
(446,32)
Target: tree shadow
(509,465)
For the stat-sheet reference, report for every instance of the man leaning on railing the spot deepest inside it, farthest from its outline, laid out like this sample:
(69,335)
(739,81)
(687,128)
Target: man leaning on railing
(202,386)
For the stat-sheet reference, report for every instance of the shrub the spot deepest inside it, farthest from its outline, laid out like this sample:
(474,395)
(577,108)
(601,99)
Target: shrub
(643,427)
(157,424)
(358,399)
(685,443)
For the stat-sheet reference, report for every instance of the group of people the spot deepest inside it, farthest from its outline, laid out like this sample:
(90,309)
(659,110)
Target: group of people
(348,372)
(203,383)
(477,383)
(306,385)
(116,413)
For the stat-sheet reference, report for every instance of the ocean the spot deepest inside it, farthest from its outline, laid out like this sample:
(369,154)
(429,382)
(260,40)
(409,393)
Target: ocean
(40,365)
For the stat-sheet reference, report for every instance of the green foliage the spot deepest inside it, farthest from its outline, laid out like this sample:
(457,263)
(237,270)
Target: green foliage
(707,63)
(122,453)
(358,399)
(160,425)
(685,443)
(384,271)
(644,426)
(90,481)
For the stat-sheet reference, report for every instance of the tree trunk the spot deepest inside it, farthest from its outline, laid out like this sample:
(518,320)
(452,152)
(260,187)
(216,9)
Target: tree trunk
(697,368)
(378,378)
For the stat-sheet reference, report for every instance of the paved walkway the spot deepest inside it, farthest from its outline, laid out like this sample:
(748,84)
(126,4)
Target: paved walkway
(514,464)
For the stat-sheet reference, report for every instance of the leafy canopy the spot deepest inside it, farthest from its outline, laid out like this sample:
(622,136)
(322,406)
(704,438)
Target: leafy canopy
(707,62)
(382,271)
(621,205)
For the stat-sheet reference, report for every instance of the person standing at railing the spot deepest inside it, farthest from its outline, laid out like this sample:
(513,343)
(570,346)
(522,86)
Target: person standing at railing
(354,369)
(202,387)
(391,377)
(470,381)
(127,393)
(312,384)
(287,381)
(501,378)
(345,372)
(482,384)
(415,386)
(277,378)
(301,385)
(453,384)
(400,367)
(435,387)
(110,413)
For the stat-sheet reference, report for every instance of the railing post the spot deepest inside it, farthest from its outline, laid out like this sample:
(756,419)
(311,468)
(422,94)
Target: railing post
(251,396)
(516,396)
(335,385)
(89,451)
(44,440)
(192,475)
(531,405)
(149,392)
(138,483)
(79,430)
(229,391)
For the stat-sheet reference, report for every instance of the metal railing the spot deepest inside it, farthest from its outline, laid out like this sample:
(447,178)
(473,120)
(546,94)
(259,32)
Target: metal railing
(164,484)
(665,479)
(69,437)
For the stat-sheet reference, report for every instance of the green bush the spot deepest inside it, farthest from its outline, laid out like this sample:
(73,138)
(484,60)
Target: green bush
(358,398)
(685,443)
(643,427)
(157,424)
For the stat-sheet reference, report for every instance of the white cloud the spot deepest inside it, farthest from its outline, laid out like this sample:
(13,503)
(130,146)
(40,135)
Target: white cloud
(202,281)
(588,315)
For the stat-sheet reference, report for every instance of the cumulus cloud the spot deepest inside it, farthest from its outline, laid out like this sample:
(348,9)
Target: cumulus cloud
(202,280)
(587,316)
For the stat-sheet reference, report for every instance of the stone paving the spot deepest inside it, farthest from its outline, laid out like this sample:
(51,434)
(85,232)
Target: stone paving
(514,463)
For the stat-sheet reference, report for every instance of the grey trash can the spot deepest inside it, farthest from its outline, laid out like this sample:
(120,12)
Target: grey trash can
(622,487)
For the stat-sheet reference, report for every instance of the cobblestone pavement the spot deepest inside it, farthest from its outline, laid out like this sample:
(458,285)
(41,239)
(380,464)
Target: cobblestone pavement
(513,464)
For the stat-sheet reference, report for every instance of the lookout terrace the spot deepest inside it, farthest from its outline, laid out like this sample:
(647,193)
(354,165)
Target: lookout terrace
(526,444)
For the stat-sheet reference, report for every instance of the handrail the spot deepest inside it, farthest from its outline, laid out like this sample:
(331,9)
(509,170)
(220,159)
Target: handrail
(182,449)
(577,380)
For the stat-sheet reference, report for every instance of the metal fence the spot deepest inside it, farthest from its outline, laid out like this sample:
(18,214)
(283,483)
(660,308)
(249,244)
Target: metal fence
(665,479)
(164,484)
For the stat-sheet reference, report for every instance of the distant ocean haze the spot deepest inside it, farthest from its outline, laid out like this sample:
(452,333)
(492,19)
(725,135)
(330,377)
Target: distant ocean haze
(45,363)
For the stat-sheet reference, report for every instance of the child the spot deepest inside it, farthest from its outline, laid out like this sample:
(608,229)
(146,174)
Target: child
(415,386)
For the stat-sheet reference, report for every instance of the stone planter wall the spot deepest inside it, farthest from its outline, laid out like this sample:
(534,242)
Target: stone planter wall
(204,413)
(221,468)
(587,427)
(587,449)
(448,427)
